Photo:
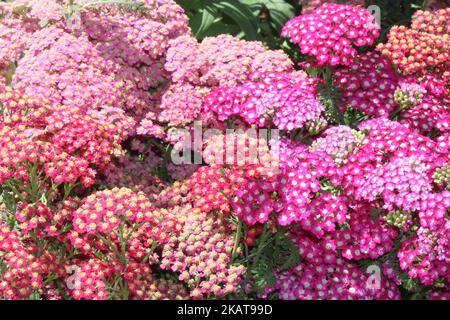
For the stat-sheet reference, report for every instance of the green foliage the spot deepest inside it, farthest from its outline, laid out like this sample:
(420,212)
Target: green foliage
(273,12)
(353,117)
(249,19)
(7,199)
(272,252)
(329,96)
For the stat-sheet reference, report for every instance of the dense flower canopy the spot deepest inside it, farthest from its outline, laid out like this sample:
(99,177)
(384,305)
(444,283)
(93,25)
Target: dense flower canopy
(330,32)
(305,177)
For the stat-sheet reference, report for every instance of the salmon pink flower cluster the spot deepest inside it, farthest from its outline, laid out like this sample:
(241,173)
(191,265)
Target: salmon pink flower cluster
(423,46)
(137,162)
(201,254)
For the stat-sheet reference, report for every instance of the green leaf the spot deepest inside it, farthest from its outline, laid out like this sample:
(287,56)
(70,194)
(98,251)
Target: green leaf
(280,11)
(203,20)
(256,3)
(191,4)
(272,253)
(220,27)
(241,15)
(44,23)
(269,38)
(286,252)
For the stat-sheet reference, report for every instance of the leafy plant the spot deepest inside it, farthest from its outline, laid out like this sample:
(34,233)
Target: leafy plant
(250,19)
(272,252)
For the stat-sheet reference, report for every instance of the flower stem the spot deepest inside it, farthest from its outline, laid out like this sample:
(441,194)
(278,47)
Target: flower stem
(237,240)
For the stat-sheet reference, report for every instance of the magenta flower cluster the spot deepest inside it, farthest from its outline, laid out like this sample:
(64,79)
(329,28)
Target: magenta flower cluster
(331,32)
(289,99)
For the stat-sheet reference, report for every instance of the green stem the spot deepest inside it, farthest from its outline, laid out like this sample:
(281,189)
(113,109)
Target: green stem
(328,76)
(237,240)
(265,241)
(110,244)
(152,249)
(68,189)
(124,290)
(123,243)
(15,191)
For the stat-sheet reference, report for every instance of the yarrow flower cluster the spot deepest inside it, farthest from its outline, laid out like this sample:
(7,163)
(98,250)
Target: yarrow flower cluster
(324,275)
(368,84)
(339,142)
(222,60)
(181,104)
(289,99)
(330,32)
(425,45)
(201,254)
(400,183)
(52,51)
(409,94)
(23,270)
(196,69)
(309,5)
(424,103)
